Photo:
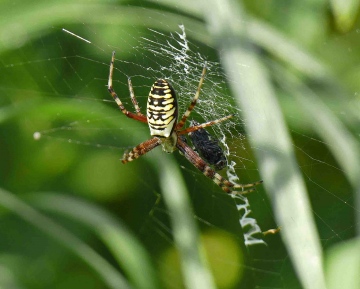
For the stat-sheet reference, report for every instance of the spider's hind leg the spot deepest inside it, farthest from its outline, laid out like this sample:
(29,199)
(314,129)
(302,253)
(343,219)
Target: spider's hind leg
(229,187)
(140,150)
(232,187)
(202,166)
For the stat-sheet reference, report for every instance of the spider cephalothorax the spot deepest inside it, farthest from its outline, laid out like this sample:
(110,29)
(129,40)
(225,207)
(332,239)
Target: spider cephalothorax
(165,129)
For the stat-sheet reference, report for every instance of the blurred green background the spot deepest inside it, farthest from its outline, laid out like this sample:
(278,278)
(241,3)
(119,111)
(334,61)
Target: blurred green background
(72,216)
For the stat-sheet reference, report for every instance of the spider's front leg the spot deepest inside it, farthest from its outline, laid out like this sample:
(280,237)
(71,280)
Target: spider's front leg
(138,116)
(201,165)
(140,150)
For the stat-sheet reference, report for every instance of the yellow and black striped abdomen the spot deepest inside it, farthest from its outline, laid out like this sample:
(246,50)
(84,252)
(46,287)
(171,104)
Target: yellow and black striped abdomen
(162,111)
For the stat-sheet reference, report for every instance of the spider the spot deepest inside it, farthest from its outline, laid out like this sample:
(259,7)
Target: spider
(167,131)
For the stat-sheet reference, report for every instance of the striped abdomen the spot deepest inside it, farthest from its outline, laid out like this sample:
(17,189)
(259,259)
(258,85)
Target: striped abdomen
(162,109)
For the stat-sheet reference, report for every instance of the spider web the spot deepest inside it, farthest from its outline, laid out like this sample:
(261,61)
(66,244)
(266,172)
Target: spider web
(148,55)
(182,66)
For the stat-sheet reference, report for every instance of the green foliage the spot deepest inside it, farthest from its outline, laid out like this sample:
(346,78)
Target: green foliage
(297,81)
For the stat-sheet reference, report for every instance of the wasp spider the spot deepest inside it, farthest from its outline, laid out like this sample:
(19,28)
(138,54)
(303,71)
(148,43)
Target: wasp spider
(166,130)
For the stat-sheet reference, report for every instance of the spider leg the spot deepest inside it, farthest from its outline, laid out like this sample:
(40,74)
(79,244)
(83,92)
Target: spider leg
(203,125)
(138,117)
(272,231)
(133,98)
(140,150)
(201,165)
(181,123)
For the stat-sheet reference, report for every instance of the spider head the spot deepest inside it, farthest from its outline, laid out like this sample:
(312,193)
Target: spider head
(169,143)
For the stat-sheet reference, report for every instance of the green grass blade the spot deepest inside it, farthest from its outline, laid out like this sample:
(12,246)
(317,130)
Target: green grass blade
(283,48)
(341,142)
(343,265)
(53,14)
(126,249)
(268,133)
(194,266)
(109,274)
(345,13)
